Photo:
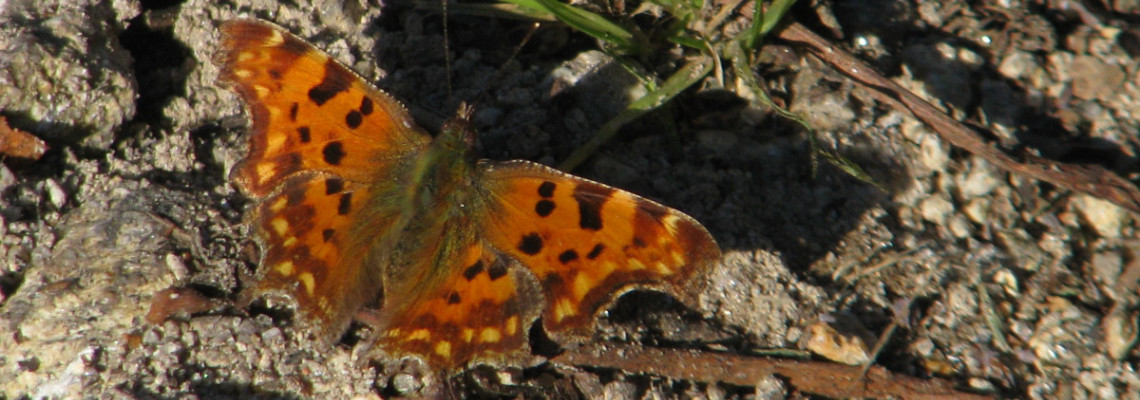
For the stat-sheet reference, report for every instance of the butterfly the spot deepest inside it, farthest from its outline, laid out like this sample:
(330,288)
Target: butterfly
(355,206)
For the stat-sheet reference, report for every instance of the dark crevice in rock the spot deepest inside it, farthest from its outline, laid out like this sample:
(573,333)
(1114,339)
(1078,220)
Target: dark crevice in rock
(160,60)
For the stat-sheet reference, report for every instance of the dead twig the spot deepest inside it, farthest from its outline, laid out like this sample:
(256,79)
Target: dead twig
(180,302)
(19,144)
(815,377)
(1091,179)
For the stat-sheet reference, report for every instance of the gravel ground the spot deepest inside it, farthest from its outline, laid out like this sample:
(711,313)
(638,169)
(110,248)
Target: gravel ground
(1000,283)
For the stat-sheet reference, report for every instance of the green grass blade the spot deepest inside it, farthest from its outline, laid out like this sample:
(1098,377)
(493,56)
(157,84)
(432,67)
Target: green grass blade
(489,10)
(774,15)
(764,21)
(589,23)
(752,90)
(681,9)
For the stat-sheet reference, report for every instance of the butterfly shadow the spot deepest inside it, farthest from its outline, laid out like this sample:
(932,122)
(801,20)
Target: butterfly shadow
(752,186)
(213,390)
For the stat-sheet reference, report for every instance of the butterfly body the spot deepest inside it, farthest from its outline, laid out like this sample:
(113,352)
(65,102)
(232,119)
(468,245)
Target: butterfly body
(354,203)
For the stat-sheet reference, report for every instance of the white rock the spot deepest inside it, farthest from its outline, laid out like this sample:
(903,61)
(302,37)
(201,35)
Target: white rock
(827,342)
(1017,63)
(933,154)
(7,178)
(55,194)
(1008,282)
(1104,217)
(977,210)
(959,226)
(980,181)
(935,209)
(177,268)
(1106,265)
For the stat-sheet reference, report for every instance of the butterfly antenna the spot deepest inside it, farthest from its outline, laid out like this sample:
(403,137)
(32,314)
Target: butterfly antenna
(446,50)
(483,91)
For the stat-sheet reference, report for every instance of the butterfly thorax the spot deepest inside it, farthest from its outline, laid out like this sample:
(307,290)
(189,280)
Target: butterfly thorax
(442,178)
(438,203)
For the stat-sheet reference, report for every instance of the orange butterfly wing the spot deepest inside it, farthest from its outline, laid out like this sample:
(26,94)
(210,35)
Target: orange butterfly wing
(478,313)
(542,234)
(586,242)
(321,136)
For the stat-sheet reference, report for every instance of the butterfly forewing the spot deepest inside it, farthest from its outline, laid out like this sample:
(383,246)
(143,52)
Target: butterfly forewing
(586,242)
(309,112)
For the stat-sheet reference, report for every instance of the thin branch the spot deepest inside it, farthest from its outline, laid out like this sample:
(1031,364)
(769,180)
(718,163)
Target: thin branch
(815,377)
(1090,179)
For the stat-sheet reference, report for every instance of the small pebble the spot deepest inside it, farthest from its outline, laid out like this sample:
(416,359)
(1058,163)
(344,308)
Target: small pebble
(1102,216)
(935,209)
(404,384)
(825,341)
(55,194)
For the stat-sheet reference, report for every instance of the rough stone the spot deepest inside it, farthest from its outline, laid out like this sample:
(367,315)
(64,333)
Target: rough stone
(1095,79)
(1105,218)
(78,87)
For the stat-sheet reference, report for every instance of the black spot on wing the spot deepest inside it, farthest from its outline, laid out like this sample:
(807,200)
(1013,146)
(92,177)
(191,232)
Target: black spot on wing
(345,204)
(333,185)
(333,153)
(334,82)
(366,106)
(304,133)
(530,244)
(354,119)
(590,198)
(453,298)
(497,270)
(546,189)
(544,208)
(597,250)
(327,234)
(293,111)
(474,270)
(567,256)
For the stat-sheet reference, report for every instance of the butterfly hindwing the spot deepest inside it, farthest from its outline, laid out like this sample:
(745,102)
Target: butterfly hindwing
(478,312)
(309,254)
(587,242)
